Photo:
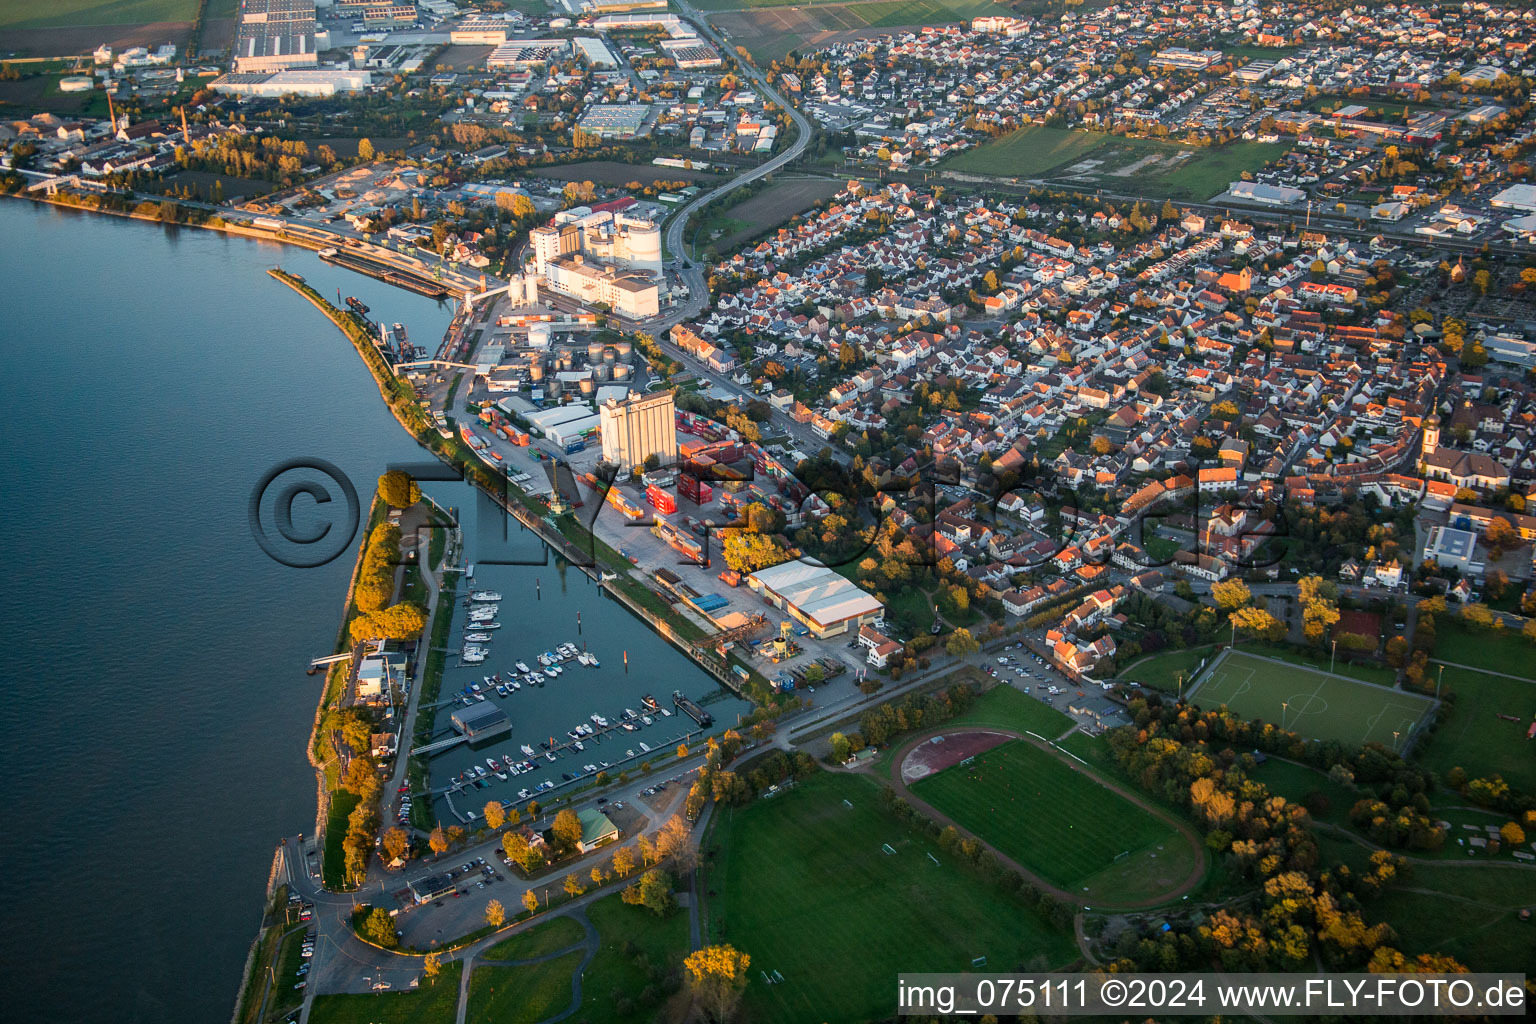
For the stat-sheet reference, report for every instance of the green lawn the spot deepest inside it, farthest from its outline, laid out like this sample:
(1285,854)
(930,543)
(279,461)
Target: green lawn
(801,884)
(1499,650)
(29,14)
(1297,782)
(522,995)
(634,944)
(1486,935)
(436,1002)
(1162,671)
(1311,703)
(1060,823)
(1149,167)
(1476,739)
(333,864)
(550,937)
(1007,708)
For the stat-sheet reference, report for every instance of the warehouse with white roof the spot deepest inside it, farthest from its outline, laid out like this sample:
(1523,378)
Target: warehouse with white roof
(825,602)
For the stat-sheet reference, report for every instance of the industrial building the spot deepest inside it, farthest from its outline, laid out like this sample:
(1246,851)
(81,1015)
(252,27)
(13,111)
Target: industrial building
(615,120)
(640,426)
(482,721)
(628,243)
(479,32)
(301,82)
(1268,195)
(631,295)
(595,52)
(275,34)
(527,53)
(827,603)
(1516,197)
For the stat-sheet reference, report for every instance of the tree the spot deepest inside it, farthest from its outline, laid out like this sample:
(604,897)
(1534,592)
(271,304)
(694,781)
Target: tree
(495,914)
(438,841)
(682,751)
(573,886)
(653,891)
(623,860)
(398,489)
(379,928)
(495,813)
(1231,594)
(717,976)
(746,551)
(1513,834)
(1313,588)
(961,644)
(531,901)
(396,842)
(841,747)
(1397,651)
(1258,622)
(567,829)
(1500,536)
(432,966)
(364,149)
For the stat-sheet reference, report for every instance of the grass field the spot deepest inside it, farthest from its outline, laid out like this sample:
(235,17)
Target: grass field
(1145,166)
(1475,739)
(770,30)
(521,995)
(1486,934)
(801,884)
(1162,671)
(1321,706)
(612,172)
(31,14)
(1498,650)
(1060,824)
(612,975)
(434,1003)
(1319,661)
(550,937)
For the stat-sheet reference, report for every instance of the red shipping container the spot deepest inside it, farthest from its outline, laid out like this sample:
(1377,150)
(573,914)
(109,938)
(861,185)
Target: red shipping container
(662,501)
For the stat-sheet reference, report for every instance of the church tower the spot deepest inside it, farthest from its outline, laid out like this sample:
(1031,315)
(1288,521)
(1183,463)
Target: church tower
(1431,433)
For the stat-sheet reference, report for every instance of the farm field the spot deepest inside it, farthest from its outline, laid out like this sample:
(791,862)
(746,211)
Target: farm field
(611,172)
(1147,166)
(26,14)
(1488,934)
(1475,739)
(1321,706)
(805,863)
(34,93)
(769,209)
(1060,823)
(771,30)
(433,1003)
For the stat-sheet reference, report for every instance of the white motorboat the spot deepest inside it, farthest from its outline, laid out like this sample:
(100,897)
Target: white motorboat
(646,720)
(600,721)
(481,624)
(527,749)
(551,672)
(522,667)
(645,747)
(472,657)
(478,638)
(550,756)
(578,745)
(484,595)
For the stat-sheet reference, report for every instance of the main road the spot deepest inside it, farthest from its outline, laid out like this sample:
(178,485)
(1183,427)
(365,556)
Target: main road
(698,292)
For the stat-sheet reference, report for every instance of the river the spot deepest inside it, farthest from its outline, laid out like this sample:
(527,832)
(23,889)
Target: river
(157,709)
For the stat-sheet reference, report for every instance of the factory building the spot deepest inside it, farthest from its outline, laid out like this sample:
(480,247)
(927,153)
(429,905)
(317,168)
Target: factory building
(638,427)
(628,243)
(300,82)
(275,34)
(826,602)
(630,295)
(615,120)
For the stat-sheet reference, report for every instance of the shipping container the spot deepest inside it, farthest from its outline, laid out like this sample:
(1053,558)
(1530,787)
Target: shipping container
(694,489)
(660,500)
(578,445)
(731,578)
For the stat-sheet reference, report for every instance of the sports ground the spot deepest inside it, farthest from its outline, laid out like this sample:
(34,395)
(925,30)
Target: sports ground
(1058,822)
(1312,703)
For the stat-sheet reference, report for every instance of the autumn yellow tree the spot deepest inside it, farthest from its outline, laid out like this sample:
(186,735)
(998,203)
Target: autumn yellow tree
(1231,594)
(1259,623)
(495,914)
(717,976)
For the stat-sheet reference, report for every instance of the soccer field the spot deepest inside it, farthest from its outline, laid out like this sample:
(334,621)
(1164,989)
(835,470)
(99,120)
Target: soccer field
(1311,703)
(1061,824)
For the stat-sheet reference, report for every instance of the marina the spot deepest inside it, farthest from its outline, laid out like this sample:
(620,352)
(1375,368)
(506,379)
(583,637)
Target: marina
(569,705)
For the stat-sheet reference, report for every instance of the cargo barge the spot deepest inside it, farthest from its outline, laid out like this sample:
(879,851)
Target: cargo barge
(364,264)
(691,709)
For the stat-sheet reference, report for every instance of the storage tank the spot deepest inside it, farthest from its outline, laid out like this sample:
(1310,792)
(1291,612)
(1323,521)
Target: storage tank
(625,349)
(621,372)
(602,372)
(595,351)
(552,387)
(539,335)
(609,355)
(532,283)
(536,371)
(588,385)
